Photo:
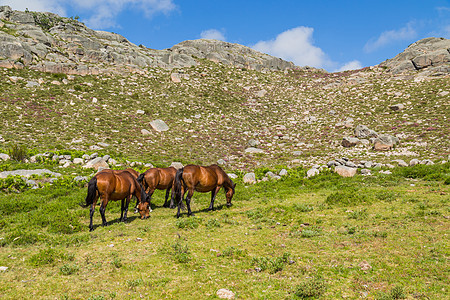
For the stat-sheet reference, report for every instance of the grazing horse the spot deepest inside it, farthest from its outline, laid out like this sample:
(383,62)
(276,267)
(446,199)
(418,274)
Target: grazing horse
(161,179)
(113,185)
(201,179)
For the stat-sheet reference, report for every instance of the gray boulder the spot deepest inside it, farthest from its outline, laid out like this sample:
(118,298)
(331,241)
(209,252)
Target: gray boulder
(384,142)
(97,163)
(159,125)
(363,132)
(249,178)
(345,171)
(350,142)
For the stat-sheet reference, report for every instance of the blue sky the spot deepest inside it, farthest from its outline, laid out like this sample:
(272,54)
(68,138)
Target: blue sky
(329,34)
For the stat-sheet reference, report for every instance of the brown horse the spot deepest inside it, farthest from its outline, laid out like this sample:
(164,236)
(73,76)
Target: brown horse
(161,179)
(201,179)
(113,185)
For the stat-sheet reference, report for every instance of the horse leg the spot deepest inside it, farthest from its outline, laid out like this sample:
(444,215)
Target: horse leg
(180,201)
(91,215)
(166,204)
(125,208)
(102,210)
(122,207)
(172,197)
(188,202)
(213,197)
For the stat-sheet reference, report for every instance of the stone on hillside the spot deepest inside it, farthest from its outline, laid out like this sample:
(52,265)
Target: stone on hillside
(81,178)
(368,164)
(365,172)
(4,156)
(2,140)
(232,175)
(101,144)
(400,162)
(112,162)
(253,143)
(362,132)
(345,171)
(221,162)
(397,107)
(350,164)
(414,162)
(28,173)
(297,153)
(149,165)
(350,142)
(78,161)
(249,178)
(93,155)
(225,294)
(86,156)
(384,142)
(427,162)
(443,93)
(140,112)
(253,150)
(159,125)
(175,77)
(3,268)
(176,165)
(283,172)
(312,172)
(97,163)
(332,163)
(261,93)
(95,147)
(145,132)
(32,83)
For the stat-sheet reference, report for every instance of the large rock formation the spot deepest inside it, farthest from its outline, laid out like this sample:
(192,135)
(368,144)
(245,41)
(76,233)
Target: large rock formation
(50,43)
(430,54)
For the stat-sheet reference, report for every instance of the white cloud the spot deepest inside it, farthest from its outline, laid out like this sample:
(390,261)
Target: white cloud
(295,45)
(212,34)
(100,13)
(351,65)
(387,37)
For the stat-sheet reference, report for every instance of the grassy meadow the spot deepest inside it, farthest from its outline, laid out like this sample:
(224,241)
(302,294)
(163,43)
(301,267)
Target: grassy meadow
(327,237)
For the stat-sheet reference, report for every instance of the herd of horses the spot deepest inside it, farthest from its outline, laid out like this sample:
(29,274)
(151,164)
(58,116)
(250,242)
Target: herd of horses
(114,185)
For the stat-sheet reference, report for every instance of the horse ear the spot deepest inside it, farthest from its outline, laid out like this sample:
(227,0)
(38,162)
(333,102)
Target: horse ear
(234,185)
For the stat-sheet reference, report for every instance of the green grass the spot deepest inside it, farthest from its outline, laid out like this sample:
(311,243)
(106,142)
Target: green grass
(280,240)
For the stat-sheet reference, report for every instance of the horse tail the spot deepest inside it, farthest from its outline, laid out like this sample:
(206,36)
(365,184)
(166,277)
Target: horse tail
(92,192)
(177,182)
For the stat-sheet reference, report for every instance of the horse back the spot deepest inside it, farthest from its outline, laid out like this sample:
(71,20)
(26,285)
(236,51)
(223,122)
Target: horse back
(117,185)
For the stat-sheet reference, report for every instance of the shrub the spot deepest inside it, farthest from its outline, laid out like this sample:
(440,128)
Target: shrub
(45,257)
(18,153)
(358,215)
(274,264)
(352,196)
(303,207)
(135,282)
(212,223)
(180,252)
(189,223)
(309,288)
(68,269)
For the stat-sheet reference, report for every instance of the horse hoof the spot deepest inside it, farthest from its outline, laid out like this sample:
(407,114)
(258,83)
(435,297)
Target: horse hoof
(91,229)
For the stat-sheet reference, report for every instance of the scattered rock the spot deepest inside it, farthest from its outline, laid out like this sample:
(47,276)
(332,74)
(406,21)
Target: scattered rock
(414,162)
(384,142)
(140,112)
(176,165)
(345,171)
(96,163)
(145,132)
(159,125)
(283,172)
(363,132)
(312,172)
(175,77)
(28,173)
(350,142)
(2,268)
(364,265)
(253,143)
(249,178)
(221,162)
(400,162)
(4,156)
(397,107)
(225,294)
(253,150)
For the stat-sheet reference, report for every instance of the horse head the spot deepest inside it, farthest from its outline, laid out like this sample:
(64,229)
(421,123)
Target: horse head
(229,193)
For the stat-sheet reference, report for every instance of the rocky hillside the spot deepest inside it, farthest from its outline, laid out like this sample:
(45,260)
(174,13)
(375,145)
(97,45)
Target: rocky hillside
(204,101)
(431,55)
(50,43)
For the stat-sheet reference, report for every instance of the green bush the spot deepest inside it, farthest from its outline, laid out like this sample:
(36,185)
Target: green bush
(68,269)
(273,265)
(13,184)
(352,196)
(18,153)
(181,252)
(46,257)
(188,223)
(426,172)
(310,288)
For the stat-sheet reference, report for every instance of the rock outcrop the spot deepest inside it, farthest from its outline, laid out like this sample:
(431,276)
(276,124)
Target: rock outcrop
(50,43)
(430,54)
